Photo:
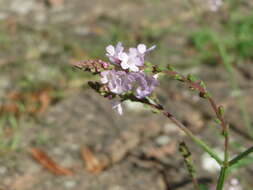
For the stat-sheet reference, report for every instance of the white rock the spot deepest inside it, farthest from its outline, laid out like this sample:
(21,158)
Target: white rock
(162,140)
(134,106)
(3,170)
(209,164)
(70,184)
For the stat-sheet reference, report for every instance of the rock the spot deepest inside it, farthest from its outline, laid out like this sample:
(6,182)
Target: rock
(69,184)
(209,164)
(162,140)
(3,170)
(134,106)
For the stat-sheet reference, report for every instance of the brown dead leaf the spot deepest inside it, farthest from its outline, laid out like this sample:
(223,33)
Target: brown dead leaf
(48,163)
(93,164)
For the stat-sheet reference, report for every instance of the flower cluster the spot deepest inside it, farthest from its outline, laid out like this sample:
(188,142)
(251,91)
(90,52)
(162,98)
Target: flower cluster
(128,73)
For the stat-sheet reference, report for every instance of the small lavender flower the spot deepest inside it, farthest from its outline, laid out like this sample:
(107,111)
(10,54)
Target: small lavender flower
(128,75)
(215,4)
(117,81)
(143,84)
(113,53)
(130,61)
(135,57)
(142,50)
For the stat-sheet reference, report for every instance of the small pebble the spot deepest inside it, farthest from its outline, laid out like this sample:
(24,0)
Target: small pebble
(209,164)
(134,106)
(70,184)
(162,140)
(3,170)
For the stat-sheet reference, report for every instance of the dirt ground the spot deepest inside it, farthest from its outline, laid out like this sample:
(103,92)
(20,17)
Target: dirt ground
(139,150)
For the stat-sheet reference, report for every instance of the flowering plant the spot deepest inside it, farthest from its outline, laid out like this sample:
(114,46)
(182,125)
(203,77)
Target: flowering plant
(124,74)
(128,77)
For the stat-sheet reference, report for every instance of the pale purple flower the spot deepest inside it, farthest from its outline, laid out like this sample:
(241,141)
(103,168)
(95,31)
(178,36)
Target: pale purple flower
(113,53)
(130,61)
(143,85)
(117,81)
(128,76)
(135,57)
(215,4)
(142,49)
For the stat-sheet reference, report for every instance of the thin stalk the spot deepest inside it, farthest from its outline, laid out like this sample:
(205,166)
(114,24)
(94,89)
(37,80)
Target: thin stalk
(221,179)
(225,130)
(241,156)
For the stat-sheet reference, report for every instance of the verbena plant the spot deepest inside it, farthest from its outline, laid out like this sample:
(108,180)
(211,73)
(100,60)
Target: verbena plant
(128,77)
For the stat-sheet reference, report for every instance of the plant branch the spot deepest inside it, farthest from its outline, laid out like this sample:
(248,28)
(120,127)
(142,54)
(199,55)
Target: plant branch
(241,156)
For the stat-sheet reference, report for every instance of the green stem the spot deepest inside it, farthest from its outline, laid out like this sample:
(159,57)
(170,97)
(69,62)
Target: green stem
(241,156)
(221,179)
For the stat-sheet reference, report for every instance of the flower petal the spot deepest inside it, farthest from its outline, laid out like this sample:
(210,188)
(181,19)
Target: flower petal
(142,48)
(134,68)
(151,48)
(110,50)
(119,47)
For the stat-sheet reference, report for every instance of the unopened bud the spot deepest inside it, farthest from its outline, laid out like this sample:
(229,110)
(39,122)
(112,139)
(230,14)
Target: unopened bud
(221,110)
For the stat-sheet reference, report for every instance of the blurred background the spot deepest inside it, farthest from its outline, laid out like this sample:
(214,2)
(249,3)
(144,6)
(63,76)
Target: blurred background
(56,133)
